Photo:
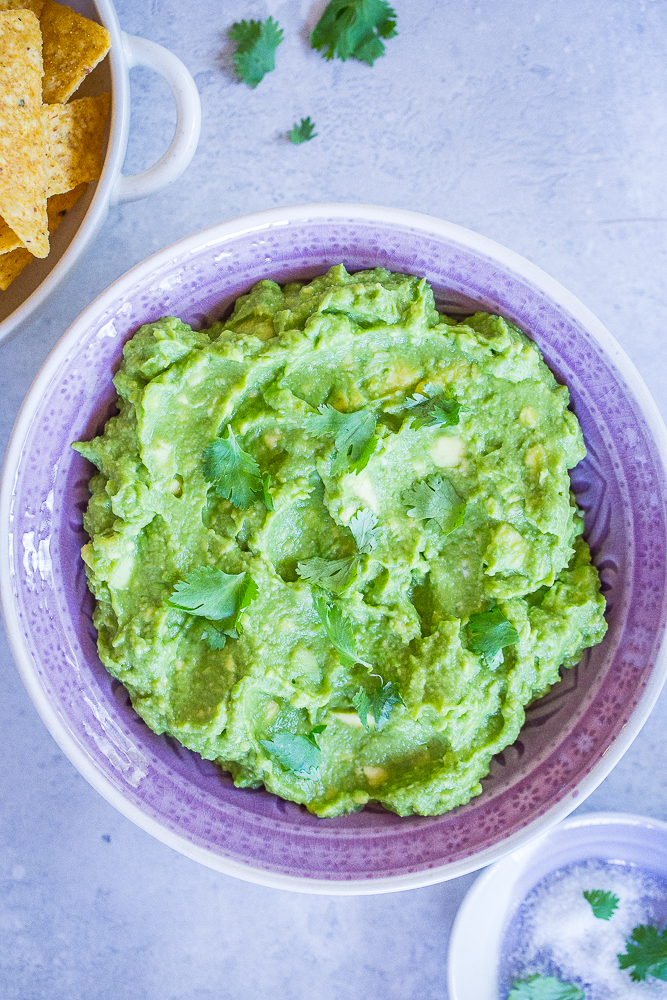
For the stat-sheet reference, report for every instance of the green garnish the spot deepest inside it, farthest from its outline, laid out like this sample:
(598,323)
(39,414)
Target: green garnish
(489,632)
(338,629)
(436,499)
(354,28)
(364,528)
(337,575)
(647,951)
(378,704)
(352,433)
(602,903)
(217,596)
(299,754)
(303,132)
(234,473)
(257,42)
(433,407)
(544,988)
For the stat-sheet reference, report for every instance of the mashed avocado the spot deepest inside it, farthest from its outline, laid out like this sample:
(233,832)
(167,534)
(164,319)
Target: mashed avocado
(333,543)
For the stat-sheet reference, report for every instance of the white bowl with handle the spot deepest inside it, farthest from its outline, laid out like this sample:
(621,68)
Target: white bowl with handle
(27,296)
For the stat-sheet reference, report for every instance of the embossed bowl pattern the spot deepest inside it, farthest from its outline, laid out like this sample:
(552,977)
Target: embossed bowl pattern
(572,737)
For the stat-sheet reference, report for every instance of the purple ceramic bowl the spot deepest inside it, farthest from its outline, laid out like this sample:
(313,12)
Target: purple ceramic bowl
(572,737)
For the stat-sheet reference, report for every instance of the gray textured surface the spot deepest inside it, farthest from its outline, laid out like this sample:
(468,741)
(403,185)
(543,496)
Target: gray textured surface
(539,125)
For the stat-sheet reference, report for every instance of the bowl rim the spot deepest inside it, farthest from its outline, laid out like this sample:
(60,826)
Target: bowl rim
(218,234)
(498,882)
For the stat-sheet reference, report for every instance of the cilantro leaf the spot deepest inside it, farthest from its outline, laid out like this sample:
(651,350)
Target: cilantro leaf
(489,632)
(337,575)
(211,593)
(544,988)
(436,499)
(377,703)
(331,574)
(235,474)
(257,42)
(433,407)
(338,629)
(299,754)
(352,433)
(303,132)
(363,526)
(602,903)
(647,951)
(354,28)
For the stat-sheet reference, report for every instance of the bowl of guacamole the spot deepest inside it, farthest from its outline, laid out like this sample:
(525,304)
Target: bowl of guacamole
(354,579)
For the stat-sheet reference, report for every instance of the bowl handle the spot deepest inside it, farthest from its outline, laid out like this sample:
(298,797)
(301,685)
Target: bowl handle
(141,52)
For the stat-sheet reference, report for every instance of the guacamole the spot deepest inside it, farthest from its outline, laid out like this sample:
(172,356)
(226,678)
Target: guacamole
(333,544)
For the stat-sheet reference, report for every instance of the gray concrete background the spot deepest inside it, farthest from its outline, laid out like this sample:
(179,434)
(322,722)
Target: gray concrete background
(539,124)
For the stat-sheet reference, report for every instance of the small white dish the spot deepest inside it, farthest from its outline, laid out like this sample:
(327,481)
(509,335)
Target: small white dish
(27,296)
(481,924)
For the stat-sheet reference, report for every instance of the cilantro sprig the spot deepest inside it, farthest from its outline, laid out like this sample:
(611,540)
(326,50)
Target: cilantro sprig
(303,132)
(338,629)
(217,596)
(602,903)
(234,474)
(354,29)
(544,988)
(432,407)
(646,950)
(337,575)
(489,632)
(353,433)
(376,703)
(297,753)
(255,55)
(436,499)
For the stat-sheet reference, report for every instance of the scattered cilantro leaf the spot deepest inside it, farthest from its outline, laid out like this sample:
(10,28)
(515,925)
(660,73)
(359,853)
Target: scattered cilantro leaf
(211,593)
(331,574)
(646,950)
(436,499)
(433,407)
(303,132)
(364,528)
(354,28)
(299,754)
(377,703)
(214,639)
(544,988)
(489,632)
(233,472)
(338,629)
(257,42)
(602,903)
(352,433)
(362,703)
(337,575)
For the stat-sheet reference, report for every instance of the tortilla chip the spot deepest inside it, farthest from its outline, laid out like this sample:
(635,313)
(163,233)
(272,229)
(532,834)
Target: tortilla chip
(20,59)
(74,140)
(72,47)
(23,176)
(11,264)
(8,239)
(34,5)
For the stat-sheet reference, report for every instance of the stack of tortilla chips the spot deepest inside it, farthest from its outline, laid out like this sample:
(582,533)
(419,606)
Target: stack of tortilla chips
(49,149)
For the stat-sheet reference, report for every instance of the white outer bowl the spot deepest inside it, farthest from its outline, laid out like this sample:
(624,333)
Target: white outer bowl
(28,295)
(488,907)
